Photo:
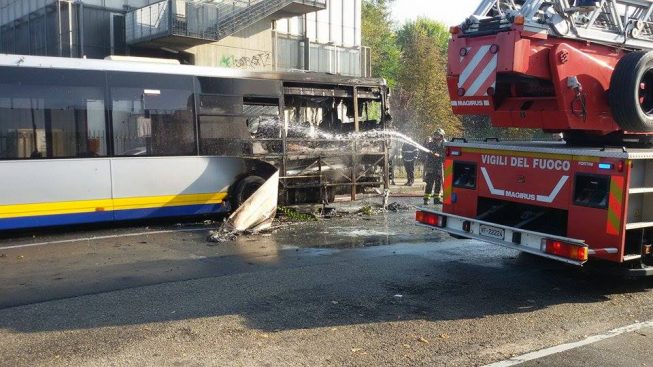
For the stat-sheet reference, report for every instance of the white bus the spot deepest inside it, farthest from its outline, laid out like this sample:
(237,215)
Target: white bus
(86,141)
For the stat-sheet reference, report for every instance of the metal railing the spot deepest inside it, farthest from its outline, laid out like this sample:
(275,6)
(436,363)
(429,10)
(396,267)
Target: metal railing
(209,21)
(324,58)
(149,22)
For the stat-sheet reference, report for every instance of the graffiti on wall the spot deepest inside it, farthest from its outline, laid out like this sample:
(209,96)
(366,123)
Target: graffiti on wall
(257,61)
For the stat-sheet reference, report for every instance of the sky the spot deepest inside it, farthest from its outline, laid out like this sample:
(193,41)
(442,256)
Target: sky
(450,12)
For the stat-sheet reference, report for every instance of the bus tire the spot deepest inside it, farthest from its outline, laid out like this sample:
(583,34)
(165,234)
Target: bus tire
(631,92)
(244,189)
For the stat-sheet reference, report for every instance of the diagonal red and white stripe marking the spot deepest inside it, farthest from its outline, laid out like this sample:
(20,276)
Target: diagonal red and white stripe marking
(479,71)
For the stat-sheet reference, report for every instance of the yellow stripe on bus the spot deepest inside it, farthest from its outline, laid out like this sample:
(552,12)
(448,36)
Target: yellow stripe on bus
(67,207)
(533,154)
(163,201)
(90,206)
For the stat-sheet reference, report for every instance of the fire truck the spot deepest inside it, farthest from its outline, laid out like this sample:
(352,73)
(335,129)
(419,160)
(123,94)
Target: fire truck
(579,68)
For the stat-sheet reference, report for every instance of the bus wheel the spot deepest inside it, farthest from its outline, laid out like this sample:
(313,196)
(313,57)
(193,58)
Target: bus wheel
(244,189)
(631,92)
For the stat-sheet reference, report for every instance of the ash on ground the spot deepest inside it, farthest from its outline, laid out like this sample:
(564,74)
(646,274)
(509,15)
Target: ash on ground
(364,223)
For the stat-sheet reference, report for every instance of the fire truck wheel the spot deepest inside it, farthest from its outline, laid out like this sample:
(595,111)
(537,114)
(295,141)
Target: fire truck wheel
(631,92)
(244,189)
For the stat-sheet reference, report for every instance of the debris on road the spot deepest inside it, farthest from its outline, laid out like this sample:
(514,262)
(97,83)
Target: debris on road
(328,212)
(255,214)
(397,207)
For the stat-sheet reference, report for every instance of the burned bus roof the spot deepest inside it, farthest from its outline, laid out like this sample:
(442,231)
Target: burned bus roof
(190,70)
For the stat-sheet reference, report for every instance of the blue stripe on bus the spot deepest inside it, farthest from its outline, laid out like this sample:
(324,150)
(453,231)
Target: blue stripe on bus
(55,220)
(168,211)
(108,216)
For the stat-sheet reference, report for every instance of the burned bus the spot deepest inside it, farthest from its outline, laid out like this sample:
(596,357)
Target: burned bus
(85,141)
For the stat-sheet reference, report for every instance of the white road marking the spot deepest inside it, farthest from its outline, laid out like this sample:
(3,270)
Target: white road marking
(565,347)
(102,238)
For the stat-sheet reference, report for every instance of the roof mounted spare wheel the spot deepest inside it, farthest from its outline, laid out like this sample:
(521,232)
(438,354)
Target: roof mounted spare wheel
(631,92)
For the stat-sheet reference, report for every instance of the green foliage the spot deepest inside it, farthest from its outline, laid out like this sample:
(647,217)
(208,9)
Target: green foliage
(292,215)
(422,99)
(479,127)
(379,36)
(413,58)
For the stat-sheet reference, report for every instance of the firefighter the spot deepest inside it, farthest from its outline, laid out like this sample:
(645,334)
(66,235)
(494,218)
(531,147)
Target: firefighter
(409,154)
(433,163)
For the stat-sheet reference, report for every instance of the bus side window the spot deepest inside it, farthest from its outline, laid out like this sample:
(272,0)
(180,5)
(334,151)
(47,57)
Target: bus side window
(264,124)
(224,136)
(47,113)
(153,115)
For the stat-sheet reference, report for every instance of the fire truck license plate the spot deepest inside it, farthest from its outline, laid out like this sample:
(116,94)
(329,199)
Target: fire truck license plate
(492,232)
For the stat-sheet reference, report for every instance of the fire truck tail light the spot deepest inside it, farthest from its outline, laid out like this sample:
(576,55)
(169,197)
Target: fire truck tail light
(454,30)
(566,250)
(430,219)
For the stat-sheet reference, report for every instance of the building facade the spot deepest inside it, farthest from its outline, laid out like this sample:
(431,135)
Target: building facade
(246,34)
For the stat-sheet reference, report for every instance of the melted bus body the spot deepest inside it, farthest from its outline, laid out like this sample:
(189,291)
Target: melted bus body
(85,141)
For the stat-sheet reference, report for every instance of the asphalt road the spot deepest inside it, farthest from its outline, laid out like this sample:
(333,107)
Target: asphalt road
(353,291)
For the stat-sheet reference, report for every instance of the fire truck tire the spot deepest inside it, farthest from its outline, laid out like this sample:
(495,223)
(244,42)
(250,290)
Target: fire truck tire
(244,189)
(631,92)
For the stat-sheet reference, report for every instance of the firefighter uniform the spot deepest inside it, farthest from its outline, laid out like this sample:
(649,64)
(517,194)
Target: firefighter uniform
(409,154)
(433,168)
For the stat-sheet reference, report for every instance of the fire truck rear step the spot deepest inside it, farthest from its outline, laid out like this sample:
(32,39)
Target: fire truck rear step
(640,190)
(639,225)
(632,257)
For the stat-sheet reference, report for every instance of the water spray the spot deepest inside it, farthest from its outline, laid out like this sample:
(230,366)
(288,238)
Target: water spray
(316,133)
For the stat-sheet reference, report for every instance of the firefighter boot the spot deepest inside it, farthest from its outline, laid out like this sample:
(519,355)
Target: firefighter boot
(426,199)
(437,200)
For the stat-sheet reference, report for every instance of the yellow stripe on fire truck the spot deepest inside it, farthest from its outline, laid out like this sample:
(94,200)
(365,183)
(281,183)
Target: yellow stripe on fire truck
(448,181)
(613,225)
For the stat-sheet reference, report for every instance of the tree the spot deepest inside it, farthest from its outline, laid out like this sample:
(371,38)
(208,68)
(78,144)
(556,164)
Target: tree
(378,34)
(421,97)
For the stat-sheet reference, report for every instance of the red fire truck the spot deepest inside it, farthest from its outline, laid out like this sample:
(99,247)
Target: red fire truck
(578,68)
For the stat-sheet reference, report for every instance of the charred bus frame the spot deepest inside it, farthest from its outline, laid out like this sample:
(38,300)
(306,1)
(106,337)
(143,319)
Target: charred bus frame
(92,140)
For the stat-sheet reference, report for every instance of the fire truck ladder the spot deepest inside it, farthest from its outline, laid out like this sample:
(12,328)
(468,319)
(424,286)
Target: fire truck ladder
(620,23)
